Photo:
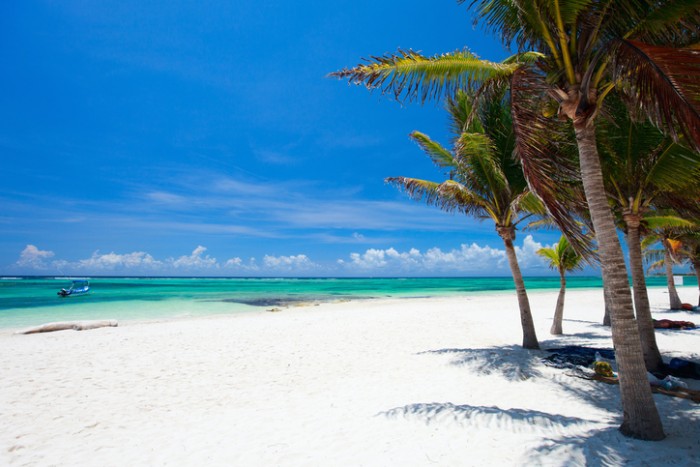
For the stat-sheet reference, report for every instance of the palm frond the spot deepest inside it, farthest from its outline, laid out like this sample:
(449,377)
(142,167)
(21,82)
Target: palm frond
(484,174)
(684,203)
(666,222)
(570,259)
(477,150)
(484,180)
(495,118)
(562,256)
(571,10)
(547,154)
(448,196)
(545,223)
(437,153)
(408,75)
(676,168)
(642,167)
(532,204)
(527,23)
(550,254)
(664,82)
(500,17)
(669,22)
(655,266)
(691,246)
(649,240)
(417,189)
(458,197)
(527,58)
(461,109)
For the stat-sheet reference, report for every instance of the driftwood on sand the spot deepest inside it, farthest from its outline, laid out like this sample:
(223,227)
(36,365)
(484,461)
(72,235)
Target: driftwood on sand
(70,325)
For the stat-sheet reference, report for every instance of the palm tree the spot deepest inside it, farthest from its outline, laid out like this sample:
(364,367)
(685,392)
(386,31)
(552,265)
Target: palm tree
(664,257)
(484,181)
(563,258)
(671,247)
(691,251)
(640,165)
(589,48)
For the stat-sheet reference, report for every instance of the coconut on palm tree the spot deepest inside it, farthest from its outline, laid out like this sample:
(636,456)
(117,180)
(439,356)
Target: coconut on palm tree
(589,48)
(484,181)
(563,258)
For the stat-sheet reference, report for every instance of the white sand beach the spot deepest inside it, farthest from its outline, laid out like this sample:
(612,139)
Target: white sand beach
(405,382)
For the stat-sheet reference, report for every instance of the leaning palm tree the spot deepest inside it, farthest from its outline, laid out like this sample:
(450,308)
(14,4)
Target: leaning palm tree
(484,181)
(640,166)
(563,258)
(588,49)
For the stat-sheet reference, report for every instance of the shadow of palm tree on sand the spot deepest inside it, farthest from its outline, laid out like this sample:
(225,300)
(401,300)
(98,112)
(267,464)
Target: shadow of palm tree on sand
(512,420)
(511,362)
(564,440)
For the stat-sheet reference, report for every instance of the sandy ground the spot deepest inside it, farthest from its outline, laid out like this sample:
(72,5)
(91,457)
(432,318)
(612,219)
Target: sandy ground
(439,381)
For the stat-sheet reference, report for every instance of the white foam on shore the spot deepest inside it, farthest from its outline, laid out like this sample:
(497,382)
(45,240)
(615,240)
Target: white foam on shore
(439,381)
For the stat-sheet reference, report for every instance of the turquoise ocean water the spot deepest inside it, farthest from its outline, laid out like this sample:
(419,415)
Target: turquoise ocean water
(30,301)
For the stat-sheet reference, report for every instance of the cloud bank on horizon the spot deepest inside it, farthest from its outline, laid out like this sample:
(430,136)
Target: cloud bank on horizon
(468,259)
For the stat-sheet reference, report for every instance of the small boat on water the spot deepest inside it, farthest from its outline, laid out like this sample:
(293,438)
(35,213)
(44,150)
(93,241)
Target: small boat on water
(78,287)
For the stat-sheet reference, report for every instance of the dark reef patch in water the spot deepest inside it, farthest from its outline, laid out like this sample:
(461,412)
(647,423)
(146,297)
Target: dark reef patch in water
(287,301)
(269,301)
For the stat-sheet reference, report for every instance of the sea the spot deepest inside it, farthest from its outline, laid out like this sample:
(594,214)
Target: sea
(30,301)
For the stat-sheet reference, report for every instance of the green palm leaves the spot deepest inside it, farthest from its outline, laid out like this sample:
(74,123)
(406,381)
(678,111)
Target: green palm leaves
(410,75)
(483,179)
(562,257)
(642,166)
(654,74)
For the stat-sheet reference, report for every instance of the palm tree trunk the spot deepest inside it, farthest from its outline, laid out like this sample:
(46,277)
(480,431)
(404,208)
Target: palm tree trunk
(640,416)
(652,356)
(606,298)
(556,328)
(672,292)
(529,336)
(696,266)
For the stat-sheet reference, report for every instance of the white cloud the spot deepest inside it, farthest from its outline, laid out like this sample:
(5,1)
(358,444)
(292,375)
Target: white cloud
(195,260)
(374,258)
(34,258)
(527,254)
(111,261)
(468,259)
(233,262)
(288,263)
(241,266)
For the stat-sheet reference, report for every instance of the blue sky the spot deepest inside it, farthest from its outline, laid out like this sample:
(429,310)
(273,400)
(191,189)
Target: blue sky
(204,138)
